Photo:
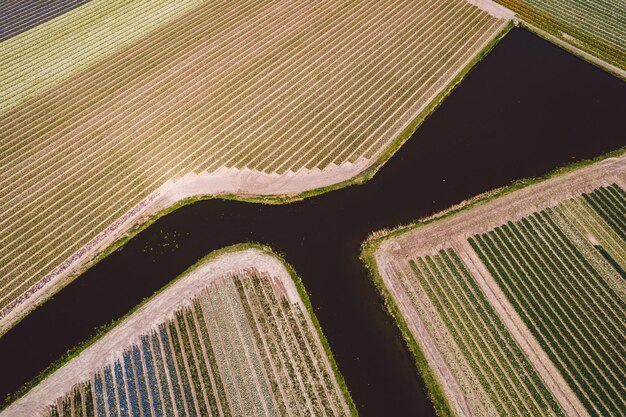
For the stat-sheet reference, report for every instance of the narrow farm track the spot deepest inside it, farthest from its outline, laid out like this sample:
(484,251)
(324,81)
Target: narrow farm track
(597,27)
(201,349)
(528,290)
(90,130)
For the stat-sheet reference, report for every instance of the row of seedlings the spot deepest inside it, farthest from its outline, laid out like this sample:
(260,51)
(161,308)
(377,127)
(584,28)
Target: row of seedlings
(569,307)
(496,361)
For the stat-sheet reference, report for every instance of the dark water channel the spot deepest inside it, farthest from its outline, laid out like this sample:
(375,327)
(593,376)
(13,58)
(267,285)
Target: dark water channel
(527,108)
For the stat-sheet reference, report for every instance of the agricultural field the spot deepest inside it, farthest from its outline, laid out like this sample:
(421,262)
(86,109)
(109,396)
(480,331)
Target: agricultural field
(516,301)
(597,27)
(231,338)
(105,108)
(20,15)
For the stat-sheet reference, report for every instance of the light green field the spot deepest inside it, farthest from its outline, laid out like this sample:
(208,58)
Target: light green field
(595,26)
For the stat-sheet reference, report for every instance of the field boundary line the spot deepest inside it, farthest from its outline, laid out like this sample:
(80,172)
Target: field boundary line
(574,50)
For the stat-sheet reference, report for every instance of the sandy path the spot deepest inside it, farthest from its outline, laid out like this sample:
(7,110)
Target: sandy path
(493,8)
(157,310)
(225,181)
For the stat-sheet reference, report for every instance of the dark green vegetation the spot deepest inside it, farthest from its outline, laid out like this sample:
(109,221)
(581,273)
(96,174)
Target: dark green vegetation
(504,374)
(557,281)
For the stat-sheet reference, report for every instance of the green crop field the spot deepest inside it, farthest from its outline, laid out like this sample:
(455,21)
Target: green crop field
(243,344)
(595,26)
(556,278)
(516,305)
(490,367)
(97,114)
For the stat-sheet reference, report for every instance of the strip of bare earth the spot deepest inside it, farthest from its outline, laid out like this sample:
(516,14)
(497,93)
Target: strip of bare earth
(451,229)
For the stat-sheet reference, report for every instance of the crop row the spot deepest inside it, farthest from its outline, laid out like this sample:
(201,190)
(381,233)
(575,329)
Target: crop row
(20,16)
(240,348)
(597,27)
(202,84)
(588,222)
(610,204)
(317,393)
(39,176)
(57,232)
(599,252)
(595,18)
(78,403)
(40,58)
(111,203)
(576,316)
(478,336)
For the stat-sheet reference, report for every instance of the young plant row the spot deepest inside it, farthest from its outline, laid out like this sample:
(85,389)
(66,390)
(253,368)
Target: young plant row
(576,316)
(610,204)
(20,16)
(584,219)
(240,348)
(478,335)
(596,28)
(40,58)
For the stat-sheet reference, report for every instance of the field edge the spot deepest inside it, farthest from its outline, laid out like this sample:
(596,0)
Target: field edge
(377,237)
(434,389)
(573,49)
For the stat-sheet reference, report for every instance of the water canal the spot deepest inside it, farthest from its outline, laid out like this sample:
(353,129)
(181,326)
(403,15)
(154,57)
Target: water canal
(526,109)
